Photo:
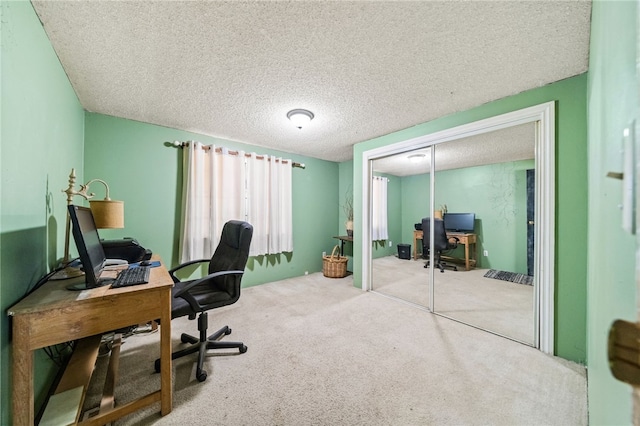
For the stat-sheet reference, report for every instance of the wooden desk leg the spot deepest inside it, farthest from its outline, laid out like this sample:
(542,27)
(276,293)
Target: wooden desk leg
(466,256)
(166,387)
(22,402)
(415,247)
(475,254)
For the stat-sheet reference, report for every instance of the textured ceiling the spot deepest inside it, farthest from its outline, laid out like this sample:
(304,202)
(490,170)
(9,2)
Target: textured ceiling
(233,69)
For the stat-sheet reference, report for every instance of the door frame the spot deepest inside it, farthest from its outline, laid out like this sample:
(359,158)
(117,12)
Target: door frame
(544,276)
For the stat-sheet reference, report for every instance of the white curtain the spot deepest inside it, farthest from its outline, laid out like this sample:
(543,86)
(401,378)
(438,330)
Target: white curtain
(258,204)
(379,228)
(269,201)
(219,186)
(281,207)
(213,193)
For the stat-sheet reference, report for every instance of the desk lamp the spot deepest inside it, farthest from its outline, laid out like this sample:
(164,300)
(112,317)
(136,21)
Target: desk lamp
(107,213)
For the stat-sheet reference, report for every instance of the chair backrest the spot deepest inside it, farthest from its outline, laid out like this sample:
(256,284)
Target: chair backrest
(440,240)
(232,252)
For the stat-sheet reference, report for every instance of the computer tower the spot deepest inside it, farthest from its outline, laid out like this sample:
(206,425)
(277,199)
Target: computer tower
(404,251)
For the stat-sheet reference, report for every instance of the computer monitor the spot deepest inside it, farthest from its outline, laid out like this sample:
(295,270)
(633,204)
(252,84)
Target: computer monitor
(459,222)
(89,247)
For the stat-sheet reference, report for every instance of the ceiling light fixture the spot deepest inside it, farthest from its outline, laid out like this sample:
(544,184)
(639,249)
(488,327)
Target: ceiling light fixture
(416,158)
(300,117)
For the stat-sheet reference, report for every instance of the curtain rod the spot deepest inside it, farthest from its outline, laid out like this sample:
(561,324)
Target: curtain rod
(179,144)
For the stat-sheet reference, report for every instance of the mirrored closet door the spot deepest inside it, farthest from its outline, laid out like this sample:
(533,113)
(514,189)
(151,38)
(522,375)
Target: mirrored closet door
(489,178)
(395,270)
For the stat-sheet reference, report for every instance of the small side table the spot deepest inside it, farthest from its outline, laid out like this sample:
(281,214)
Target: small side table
(342,239)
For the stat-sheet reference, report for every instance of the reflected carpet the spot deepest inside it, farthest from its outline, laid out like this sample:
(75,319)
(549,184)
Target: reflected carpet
(509,276)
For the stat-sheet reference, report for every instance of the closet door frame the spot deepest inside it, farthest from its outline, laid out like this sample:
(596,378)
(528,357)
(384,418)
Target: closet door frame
(544,253)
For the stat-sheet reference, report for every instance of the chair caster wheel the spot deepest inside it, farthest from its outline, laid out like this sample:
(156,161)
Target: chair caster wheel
(243,349)
(228,331)
(157,365)
(202,376)
(183,338)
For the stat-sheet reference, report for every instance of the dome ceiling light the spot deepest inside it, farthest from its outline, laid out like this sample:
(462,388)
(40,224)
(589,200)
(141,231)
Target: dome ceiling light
(300,117)
(416,158)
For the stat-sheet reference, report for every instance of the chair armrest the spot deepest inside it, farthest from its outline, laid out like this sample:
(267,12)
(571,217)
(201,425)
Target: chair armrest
(183,265)
(194,283)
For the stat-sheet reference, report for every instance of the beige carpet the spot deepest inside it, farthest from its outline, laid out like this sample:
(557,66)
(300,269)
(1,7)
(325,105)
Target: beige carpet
(499,306)
(322,352)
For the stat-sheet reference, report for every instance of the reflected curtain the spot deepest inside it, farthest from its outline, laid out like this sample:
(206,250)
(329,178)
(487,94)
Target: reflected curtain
(379,229)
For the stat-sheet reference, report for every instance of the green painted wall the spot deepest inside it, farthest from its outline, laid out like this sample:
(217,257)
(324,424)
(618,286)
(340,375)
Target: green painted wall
(145,173)
(613,104)
(571,196)
(496,193)
(415,205)
(345,186)
(41,140)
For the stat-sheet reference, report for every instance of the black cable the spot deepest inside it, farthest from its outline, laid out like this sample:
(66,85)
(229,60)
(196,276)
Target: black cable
(57,353)
(46,277)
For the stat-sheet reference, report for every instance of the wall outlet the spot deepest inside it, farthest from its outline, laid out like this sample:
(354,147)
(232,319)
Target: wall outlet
(486,253)
(324,253)
(390,243)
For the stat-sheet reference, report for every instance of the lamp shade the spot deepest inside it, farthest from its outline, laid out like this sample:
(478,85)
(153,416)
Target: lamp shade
(107,213)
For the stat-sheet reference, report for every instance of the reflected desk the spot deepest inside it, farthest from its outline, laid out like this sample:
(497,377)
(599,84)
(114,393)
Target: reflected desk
(52,315)
(468,240)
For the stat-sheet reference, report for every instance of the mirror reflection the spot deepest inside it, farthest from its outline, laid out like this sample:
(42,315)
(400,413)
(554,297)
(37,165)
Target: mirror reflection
(483,231)
(394,271)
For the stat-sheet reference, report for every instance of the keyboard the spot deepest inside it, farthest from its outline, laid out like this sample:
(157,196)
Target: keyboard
(132,276)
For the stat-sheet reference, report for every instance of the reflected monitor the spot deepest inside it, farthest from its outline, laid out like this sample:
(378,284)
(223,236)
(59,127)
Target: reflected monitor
(459,222)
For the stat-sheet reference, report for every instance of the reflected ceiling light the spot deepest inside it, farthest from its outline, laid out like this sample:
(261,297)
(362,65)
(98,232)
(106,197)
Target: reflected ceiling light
(300,117)
(416,158)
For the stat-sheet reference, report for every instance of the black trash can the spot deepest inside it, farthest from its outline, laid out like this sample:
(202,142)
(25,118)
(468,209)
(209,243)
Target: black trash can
(404,251)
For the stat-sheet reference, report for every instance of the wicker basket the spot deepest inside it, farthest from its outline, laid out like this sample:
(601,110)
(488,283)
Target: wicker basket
(334,266)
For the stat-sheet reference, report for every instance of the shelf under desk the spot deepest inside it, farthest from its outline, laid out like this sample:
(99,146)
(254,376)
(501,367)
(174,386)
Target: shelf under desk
(52,314)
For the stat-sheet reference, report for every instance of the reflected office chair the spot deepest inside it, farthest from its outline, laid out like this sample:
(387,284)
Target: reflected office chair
(221,287)
(440,243)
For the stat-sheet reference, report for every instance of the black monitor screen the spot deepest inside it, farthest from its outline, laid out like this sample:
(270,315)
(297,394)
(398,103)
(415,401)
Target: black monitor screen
(88,243)
(459,222)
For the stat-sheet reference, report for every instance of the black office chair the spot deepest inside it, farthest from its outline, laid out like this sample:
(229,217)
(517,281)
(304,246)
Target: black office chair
(221,287)
(440,243)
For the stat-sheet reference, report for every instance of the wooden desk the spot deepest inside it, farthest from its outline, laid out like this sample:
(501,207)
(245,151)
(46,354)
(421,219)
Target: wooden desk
(52,314)
(470,253)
